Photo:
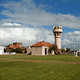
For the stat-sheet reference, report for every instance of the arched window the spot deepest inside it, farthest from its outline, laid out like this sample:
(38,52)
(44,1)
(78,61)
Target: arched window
(58,27)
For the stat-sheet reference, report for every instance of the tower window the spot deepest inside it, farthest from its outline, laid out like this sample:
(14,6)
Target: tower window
(58,27)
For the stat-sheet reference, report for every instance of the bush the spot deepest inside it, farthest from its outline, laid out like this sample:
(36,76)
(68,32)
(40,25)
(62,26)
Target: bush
(54,47)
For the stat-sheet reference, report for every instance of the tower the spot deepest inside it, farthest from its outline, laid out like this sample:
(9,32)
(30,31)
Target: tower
(57,30)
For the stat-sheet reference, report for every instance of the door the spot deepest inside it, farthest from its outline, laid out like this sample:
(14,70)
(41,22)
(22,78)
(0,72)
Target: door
(45,51)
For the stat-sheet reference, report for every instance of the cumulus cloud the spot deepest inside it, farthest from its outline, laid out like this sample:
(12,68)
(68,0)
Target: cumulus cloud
(27,36)
(27,12)
(44,6)
(71,38)
(11,24)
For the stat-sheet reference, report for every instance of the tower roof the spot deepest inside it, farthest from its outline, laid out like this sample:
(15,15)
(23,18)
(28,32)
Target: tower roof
(57,29)
(42,43)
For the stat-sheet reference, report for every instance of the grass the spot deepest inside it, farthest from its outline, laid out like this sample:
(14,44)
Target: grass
(61,58)
(19,70)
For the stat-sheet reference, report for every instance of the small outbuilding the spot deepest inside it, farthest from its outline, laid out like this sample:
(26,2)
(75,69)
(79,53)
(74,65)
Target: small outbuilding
(40,48)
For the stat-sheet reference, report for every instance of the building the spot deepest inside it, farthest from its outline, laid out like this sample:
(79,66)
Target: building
(78,52)
(14,46)
(40,48)
(57,30)
(1,49)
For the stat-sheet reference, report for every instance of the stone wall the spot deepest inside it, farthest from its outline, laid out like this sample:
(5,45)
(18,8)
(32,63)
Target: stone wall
(36,50)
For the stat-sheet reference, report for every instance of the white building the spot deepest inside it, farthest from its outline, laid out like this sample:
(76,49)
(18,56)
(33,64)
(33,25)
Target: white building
(40,48)
(1,49)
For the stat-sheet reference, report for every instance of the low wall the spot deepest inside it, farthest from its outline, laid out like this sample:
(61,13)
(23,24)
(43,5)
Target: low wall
(7,53)
(67,53)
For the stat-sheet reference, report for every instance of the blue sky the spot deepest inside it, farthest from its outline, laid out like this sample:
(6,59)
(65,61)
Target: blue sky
(62,6)
(39,16)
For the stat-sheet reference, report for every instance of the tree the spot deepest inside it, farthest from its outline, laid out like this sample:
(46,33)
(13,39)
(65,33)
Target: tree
(17,50)
(54,47)
(63,50)
(68,50)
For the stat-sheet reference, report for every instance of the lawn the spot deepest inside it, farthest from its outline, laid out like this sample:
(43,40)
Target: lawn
(20,70)
(61,58)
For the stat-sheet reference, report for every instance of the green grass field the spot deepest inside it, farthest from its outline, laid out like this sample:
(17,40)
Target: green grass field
(22,70)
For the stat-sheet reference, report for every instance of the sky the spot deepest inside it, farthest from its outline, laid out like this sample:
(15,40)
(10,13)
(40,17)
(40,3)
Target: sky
(31,21)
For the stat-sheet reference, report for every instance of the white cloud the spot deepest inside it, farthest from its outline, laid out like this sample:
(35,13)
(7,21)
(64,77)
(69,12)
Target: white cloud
(44,6)
(27,36)
(27,12)
(11,24)
(71,38)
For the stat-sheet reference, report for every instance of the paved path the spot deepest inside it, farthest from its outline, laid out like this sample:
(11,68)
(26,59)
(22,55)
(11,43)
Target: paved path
(39,61)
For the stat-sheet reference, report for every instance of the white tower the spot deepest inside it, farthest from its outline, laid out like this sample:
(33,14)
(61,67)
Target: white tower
(57,30)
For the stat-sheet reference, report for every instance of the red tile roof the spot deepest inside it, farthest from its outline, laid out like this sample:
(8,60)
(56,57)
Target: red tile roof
(13,46)
(43,44)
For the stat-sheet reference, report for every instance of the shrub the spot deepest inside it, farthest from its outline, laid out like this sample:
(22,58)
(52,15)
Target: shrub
(54,47)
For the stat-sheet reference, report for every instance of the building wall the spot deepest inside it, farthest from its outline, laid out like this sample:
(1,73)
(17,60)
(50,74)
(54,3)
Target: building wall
(29,51)
(43,50)
(14,46)
(58,42)
(36,50)
(8,50)
(17,44)
(1,49)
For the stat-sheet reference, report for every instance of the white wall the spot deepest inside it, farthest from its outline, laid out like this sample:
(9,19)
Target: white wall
(58,42)
(29,50)
(37,50)
(1,49)
(43,50)
(7,53)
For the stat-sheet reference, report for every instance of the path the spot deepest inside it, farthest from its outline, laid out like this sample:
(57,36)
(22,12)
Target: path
(39,61)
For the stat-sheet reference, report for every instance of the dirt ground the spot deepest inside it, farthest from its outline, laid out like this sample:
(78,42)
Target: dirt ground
(40,61)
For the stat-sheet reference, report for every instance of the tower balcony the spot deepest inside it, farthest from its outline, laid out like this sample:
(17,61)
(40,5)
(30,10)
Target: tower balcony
(57,29)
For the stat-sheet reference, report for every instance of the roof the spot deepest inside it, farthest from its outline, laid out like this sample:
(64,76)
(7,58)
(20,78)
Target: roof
(42,43)
(15,46)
